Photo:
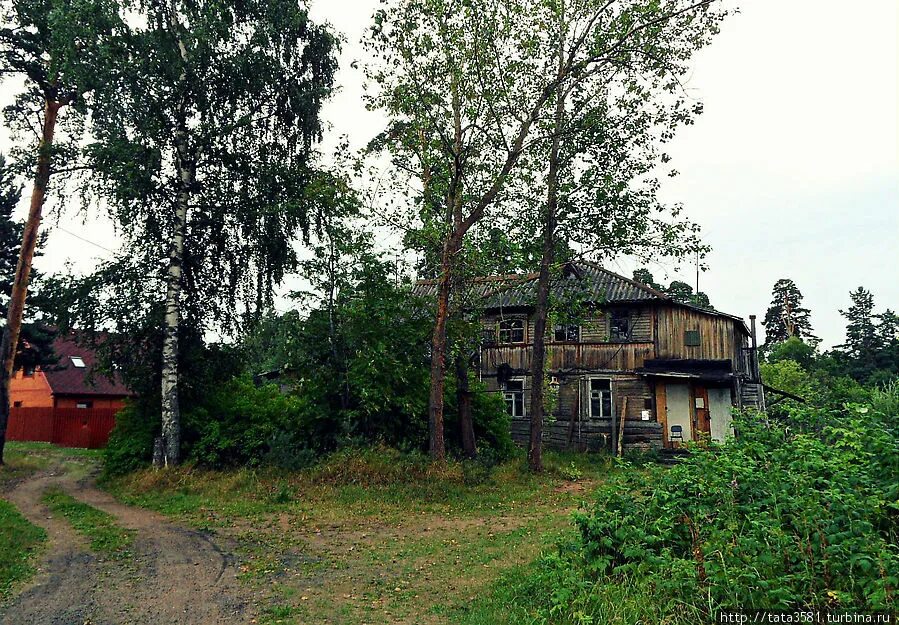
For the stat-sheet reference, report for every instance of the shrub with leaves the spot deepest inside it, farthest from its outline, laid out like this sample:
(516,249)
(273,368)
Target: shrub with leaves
(782,517)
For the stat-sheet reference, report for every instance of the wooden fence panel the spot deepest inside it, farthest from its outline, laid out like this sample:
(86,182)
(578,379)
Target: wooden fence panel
(68,427)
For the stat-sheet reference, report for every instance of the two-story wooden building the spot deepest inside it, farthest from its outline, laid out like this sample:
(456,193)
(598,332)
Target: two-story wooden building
(672,371)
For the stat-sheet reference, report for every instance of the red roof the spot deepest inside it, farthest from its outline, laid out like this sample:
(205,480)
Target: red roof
(65,378)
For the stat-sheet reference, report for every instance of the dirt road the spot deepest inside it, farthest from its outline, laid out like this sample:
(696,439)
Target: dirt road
(175,575)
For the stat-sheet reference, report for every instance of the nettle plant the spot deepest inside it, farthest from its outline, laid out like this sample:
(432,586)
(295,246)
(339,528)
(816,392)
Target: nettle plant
(792,515)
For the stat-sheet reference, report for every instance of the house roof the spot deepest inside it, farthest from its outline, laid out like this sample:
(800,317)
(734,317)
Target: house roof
(65,378)
(584,279)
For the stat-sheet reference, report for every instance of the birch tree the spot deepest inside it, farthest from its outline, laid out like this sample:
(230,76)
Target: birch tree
(61,51)
(466,85)
(205,160)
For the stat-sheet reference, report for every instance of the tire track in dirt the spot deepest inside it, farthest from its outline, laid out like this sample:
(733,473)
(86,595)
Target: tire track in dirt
(175,576)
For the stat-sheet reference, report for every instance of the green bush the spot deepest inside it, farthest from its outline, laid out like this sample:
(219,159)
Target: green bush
(130,444)
(780,518)
(799,513)
(242,424)
(237,424)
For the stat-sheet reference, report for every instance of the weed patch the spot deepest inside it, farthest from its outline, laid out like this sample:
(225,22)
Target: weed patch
(97,526)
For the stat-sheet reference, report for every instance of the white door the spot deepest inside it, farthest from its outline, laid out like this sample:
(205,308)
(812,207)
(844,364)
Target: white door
(677,399)
(721,418)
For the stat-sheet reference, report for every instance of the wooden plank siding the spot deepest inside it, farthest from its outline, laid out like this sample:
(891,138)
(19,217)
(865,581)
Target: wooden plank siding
(716,335)
(570,356)
(657,331)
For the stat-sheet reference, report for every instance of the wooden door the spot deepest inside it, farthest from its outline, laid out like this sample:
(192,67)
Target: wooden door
(702,419)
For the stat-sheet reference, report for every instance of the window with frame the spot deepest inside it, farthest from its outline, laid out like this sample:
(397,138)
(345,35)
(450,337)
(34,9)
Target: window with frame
(28,371)
(513,394)
(78,361)
(84,404)
(691,338)
(600,398)
(567,333)
(619,326)
(511,331)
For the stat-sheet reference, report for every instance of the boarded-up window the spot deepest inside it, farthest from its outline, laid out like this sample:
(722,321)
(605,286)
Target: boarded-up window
(619,326)
(691,338)
(567,333)
(514,396)
(600,398)
(511,331)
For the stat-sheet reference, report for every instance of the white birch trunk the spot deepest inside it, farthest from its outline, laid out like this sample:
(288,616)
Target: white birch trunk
(185,164)
(171,414)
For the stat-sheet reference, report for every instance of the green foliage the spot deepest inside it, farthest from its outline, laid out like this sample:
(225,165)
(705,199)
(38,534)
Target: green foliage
(779,518)
(242,424)
(571,473)
(130,444)
(871,351)
(19,539)
(237,111)
(795,349)
(678,290)
(360,361)
(64,50)
(35,342)
(786,318)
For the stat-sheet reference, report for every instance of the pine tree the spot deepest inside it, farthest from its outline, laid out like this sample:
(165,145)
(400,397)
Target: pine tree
(862,342)
(10,231)
(62,51)
(786,316)
(35,342)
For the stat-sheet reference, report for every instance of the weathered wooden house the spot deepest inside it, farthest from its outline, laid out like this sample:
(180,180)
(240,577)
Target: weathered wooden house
(672,371)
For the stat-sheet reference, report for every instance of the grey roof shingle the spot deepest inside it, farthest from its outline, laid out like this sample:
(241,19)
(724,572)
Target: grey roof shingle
(591,282)
(586,280)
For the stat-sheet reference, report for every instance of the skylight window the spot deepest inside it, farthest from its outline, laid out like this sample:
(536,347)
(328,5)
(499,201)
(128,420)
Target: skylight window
(78,362)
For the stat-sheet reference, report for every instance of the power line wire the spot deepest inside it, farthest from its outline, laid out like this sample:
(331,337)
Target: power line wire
(81,238)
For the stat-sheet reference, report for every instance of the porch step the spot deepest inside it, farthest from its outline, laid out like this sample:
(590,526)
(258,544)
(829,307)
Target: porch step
(670,456)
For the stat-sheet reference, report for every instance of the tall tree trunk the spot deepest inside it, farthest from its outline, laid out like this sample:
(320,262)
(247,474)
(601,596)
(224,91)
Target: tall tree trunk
(451,247)
(23,268)
(463,399)
(185,165)
(4,396)
(538,361)
(171,412)
(437,444)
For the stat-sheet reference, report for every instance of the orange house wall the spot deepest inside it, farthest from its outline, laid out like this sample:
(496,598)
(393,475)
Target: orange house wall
(32,391)
(72,401)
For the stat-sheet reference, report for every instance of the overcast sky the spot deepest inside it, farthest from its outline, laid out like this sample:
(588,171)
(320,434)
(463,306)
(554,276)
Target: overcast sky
(791,171)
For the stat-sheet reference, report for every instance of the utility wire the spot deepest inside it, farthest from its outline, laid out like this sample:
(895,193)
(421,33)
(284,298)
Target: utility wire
(85,240)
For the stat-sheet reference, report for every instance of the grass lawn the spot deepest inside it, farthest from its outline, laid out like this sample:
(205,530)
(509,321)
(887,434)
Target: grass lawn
(373,536)
(25,458)
(19,540)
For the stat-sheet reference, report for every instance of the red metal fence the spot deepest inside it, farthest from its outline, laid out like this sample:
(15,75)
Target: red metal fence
(68,427)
